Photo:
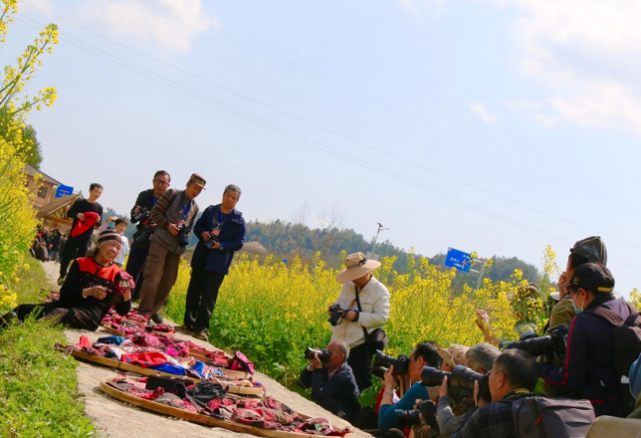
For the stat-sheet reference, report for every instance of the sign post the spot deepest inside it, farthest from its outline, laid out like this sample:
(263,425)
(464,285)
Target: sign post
(63,191)
(458,259)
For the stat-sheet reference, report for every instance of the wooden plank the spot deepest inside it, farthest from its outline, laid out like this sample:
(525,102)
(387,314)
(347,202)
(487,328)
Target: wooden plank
(113,363)
(195,417)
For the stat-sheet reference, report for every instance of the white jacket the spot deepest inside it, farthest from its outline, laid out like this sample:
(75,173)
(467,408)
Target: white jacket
(375,302)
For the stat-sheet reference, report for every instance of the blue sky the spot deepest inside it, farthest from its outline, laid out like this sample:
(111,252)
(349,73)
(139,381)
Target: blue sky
(499,126)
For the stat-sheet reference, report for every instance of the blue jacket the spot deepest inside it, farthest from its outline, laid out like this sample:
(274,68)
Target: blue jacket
(339,395)
(589,357)
(231,237)
(386,415)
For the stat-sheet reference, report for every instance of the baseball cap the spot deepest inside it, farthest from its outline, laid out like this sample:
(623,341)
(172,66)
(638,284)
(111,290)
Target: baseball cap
(198,180)
(592,248)
(593,277)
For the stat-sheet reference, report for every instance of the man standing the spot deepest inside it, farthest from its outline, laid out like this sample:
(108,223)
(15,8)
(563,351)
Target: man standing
(333,385)
(221,232)
(145,201)
(174,215)
(86,214)
(363,317)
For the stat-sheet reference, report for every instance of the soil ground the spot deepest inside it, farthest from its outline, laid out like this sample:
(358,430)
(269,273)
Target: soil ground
(121,420)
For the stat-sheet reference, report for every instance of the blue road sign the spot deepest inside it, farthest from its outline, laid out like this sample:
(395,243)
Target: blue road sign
(458,259)
(63,191)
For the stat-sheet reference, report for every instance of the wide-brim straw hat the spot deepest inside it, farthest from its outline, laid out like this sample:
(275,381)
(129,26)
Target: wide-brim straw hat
(356,266)
(453,355)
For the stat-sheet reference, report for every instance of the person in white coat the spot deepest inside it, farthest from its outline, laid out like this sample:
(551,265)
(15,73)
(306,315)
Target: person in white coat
(358,320)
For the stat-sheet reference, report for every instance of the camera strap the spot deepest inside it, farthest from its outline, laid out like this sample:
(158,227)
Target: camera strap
(360,309)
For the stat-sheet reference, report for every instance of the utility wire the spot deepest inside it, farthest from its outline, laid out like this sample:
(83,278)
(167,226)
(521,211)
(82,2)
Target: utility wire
(310,142)
(356,141)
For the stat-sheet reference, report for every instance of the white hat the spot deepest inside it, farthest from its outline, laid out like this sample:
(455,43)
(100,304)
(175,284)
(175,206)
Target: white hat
(357,266)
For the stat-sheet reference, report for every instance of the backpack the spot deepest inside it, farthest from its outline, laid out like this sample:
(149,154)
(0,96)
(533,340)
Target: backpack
(626,342)
(541,417)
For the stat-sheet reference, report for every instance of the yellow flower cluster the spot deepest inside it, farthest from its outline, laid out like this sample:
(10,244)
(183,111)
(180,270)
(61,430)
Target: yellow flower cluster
(17,222)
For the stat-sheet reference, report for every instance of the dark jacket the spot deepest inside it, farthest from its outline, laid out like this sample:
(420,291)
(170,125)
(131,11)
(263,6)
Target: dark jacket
(494,420)
(338,394)
(55,242)
(589,357)
(147,201)
(231,238)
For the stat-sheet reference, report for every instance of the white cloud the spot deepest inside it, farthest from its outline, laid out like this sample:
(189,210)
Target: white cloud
(581,52)
(43,6)
(172,24)
(482,112)
(523,105)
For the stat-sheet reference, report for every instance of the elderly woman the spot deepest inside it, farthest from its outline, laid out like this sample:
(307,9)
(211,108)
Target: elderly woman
(93,285)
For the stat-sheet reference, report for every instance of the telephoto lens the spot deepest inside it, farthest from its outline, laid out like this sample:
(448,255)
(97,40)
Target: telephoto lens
(408,418)
(323,355)
(379,372)
(401,364)
(461,379)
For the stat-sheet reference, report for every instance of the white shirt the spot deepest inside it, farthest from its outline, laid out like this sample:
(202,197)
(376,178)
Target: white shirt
(375,302)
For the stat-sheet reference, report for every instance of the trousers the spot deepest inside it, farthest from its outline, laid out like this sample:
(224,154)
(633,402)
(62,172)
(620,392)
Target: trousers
(360,360)
(74,248)
(201,298)
(135,263)
(75,317)
(161,271)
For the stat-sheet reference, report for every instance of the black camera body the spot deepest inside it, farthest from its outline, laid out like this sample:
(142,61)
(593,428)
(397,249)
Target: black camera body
(460,381)
(412,418)
(183,235)
(336,316)
(401,364)
(323,355)
(553,345)
(210,242)
(144,218)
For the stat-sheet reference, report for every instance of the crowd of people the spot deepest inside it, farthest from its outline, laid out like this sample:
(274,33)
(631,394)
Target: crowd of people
(586,363)
(93,277)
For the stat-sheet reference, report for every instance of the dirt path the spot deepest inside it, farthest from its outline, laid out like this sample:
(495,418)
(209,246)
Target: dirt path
(120,420)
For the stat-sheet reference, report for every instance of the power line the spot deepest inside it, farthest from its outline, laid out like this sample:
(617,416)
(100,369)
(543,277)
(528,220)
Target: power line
(303,139)
(410,114)
(381,151)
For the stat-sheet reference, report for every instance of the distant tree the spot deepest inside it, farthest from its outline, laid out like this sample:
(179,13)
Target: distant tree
(32,147)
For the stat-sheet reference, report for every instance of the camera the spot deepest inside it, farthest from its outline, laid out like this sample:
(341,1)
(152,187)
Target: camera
(144,218)
(552,345)
(336,316)
(183,235)
(210,242)
(401,364)
(412,418)
(379,372)
(323,355)
(460,381)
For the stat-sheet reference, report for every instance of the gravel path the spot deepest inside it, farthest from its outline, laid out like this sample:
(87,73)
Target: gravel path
(120,420)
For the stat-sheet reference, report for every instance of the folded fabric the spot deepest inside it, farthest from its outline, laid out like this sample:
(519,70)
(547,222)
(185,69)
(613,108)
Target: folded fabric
(116,352)
(170,369)
(91,219)
(203,392)
(146,360)
(84,342)
(114,340)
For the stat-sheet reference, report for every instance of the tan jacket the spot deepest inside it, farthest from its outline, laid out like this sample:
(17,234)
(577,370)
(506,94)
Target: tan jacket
(562,312)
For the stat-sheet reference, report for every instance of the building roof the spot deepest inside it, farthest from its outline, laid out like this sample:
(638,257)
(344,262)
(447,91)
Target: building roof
(57,204)
(32,171)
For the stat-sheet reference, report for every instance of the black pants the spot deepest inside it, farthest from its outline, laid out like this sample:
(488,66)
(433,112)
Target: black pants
(74,248)
(79,318)
(202,294)
(360,360)
(135,263)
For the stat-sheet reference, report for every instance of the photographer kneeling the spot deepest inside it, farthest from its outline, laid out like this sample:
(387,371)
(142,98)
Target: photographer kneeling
(331,379)
(479,358)
(424,354)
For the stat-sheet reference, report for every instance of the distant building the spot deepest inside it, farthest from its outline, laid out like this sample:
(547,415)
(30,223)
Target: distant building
(47,189)
(54,214)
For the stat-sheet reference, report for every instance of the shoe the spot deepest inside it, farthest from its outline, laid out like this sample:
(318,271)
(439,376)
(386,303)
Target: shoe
(61,281)
(6,320)
(203,336)
(184,329)
(156,318)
